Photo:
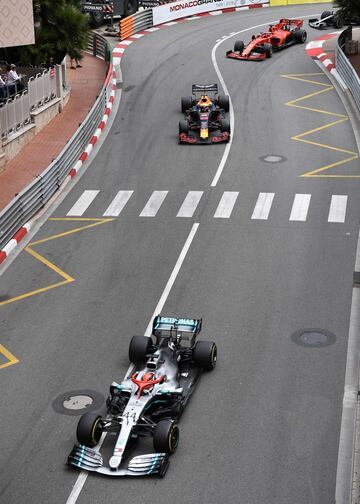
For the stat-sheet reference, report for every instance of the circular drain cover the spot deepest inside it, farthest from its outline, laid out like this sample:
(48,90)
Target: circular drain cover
(273,158)
(313,337)
(77,402)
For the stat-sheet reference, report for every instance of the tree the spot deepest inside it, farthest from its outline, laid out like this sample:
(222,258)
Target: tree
(60,29)
(350,9)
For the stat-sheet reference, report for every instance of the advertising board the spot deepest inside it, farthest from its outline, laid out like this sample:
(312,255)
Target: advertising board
(185,8)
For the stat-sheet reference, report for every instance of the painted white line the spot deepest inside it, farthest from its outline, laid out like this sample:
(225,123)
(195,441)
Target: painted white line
(300,207)
(263,206)
(226,205)
(82,203)
(117,204)
(152,206)
(190,204)
(173,276)
(337,212)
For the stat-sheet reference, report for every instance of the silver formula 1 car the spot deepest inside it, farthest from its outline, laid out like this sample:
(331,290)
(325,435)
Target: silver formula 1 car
(148,402)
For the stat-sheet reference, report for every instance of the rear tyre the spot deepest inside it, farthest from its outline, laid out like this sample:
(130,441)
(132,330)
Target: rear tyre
(225,125)
(239,46)
(186,103)
(268,50)
(338,20)
(300,36)
(326,14)
(139,347)
(224,103)
(130,7)
(183,127)
(205,355)
(96,19)
(166,436)
(89,430)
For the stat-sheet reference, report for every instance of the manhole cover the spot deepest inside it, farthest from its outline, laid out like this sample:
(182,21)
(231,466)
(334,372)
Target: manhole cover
(273,158)
(77,402)
(313,338)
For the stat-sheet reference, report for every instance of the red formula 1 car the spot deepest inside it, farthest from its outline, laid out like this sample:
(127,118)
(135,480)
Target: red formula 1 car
(283,34)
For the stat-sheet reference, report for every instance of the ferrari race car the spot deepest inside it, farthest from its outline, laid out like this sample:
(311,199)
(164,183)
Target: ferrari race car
(283,34)
(205,120)
(148,402)
(332,18)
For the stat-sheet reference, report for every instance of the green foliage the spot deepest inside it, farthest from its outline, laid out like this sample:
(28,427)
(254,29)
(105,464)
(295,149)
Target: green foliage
(60,28)
(349,8)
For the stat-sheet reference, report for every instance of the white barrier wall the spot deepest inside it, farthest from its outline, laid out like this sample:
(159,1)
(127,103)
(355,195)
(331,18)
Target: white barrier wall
(185,8)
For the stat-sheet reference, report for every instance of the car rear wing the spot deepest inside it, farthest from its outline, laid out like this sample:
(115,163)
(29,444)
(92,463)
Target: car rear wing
(292,22)
(204,88)
(165,327)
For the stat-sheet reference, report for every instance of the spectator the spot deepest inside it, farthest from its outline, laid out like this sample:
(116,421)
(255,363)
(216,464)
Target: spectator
(51,63)
(13,80)
(2,86)
(77,62)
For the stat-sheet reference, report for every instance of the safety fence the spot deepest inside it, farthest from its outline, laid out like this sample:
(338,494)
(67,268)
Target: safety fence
(345,68)
(98,46)
(29,201)
(15,113)
(133,24)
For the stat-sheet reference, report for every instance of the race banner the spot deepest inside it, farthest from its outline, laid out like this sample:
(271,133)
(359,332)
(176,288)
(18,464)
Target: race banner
(185,8)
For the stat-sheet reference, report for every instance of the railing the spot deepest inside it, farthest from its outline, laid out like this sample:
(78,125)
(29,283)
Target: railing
(138,22)
(29,201)
(345,68)
(98,46)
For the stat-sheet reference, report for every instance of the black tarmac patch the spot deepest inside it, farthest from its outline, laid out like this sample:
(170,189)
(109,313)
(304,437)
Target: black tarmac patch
(313,338)
(78,402)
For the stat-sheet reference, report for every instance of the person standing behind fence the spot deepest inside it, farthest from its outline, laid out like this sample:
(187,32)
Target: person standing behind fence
(13,80)
(2,85)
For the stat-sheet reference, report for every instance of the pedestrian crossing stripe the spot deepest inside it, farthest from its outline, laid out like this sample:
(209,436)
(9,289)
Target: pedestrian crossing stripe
(261,211)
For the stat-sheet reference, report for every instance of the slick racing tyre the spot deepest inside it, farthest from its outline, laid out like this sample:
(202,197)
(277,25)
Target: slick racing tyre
(183,127)
(130,7)
(326,14)
(300,36)
(225,125)
(166,436)
(96,19)
(239,46)
(223,102)
(205,355)
(89,431)
(268,50)
(186,103)
(338,20)
(139,347)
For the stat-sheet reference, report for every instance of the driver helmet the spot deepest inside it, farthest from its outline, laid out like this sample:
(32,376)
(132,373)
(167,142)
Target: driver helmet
(148,376)
(204,104)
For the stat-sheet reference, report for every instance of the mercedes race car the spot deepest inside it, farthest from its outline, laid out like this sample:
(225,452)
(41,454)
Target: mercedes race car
(205,121)
(148,402)
(334,19)
(286,32)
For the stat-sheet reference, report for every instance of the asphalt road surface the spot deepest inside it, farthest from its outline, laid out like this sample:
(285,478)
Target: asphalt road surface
(272,256)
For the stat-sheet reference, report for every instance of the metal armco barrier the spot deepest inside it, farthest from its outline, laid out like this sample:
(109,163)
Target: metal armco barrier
(345,68)
(133,24)
(29,201)
(98,46)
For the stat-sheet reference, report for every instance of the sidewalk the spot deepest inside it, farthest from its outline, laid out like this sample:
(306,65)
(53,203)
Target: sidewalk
(86,83)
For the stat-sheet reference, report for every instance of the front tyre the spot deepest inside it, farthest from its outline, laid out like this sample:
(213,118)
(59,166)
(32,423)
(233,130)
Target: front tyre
(225,125)
(166,436)
(89,429)
(239,46)
(268,50)
(183,127)
(205,355)
(139,348)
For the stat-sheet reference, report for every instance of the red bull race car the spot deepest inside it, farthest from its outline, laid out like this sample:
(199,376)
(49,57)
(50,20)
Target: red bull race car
(283,34)
(205,116)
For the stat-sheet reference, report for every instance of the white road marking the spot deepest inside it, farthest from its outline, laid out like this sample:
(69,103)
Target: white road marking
(82,203)
(190,204)
(337,210)
(117,204)
(152,206)
(263,206)
(300,207)
(226,205)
